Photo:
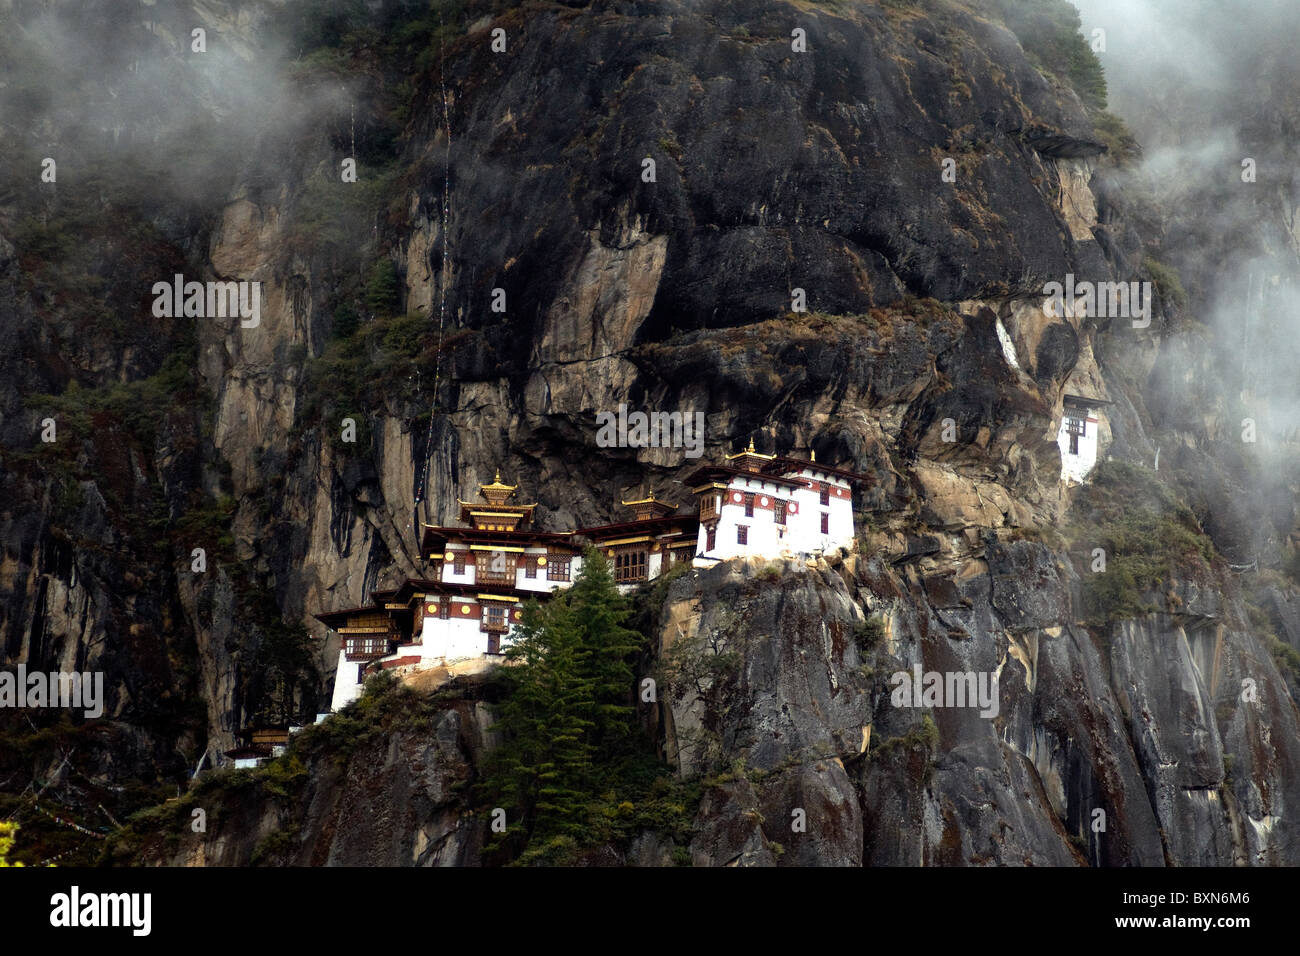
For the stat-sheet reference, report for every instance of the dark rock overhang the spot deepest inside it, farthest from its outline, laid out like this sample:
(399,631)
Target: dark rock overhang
(1058,145)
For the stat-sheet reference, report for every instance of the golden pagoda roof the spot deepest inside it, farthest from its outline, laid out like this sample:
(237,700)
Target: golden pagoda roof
(651,500)
(498,485)
(750,453)
(491,504)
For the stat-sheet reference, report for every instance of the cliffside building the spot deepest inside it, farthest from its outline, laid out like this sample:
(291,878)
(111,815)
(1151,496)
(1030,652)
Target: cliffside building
(481,572)
(1078,436)
(772,506)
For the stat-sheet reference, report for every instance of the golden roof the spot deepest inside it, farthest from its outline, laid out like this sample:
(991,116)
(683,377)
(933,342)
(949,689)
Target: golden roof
(651,500)
(750,453)
(497,485)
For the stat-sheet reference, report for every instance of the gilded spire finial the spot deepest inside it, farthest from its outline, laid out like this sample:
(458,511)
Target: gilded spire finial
(751,443)
(813,452)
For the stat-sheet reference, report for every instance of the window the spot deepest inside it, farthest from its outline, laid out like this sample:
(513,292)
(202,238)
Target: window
(712,538)
(826,523)
(742,534)
(629,566)
(826,494)
(374,646)
(458,565)
(749,506)
(1075,427)
(708,506)
(557,568)
(530,567)
(778,511)
(494,567)
(361,673)
(494,618)
(444,609)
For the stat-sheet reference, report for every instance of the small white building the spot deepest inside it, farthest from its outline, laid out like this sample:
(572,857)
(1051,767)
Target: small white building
(772,506)
(1079,437)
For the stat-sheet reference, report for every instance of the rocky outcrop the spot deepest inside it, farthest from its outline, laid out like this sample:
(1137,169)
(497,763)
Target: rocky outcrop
(924,359)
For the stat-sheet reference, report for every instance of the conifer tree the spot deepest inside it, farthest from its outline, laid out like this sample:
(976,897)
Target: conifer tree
(600,611)
(568,713)
(542,766)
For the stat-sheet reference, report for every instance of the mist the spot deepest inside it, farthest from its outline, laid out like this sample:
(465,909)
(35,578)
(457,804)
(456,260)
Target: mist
(1208,90)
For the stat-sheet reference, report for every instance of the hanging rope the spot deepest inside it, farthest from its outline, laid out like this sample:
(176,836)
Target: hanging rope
(442,282)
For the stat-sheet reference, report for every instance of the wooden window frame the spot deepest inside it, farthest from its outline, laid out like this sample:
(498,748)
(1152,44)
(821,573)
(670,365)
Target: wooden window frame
(631,565)
(489,623)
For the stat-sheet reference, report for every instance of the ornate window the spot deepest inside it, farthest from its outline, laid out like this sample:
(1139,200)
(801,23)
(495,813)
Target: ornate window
(778,511)
(629,566)
(366,648)
(458,564)
(826,494)
(712,538)
(494,618)
(557,567)
(826,523)
(494,567)
(742,534)
(749,506)
(530,567)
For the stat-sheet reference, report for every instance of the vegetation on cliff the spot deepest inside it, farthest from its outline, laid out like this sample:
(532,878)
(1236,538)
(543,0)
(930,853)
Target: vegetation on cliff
(574,770)
(1145,535)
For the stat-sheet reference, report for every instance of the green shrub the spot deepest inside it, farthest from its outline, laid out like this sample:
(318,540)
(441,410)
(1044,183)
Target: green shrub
(1146,532)
(1050,33)
(1167,283)
(1286,657)
(382,290)
(1120,142)
(868,633)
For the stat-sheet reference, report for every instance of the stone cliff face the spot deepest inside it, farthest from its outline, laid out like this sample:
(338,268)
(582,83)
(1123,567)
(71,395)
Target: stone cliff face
(925,360)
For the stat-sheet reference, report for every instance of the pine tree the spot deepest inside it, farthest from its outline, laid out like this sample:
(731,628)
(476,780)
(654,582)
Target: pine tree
(610,648)
(541,769)
(568,714)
